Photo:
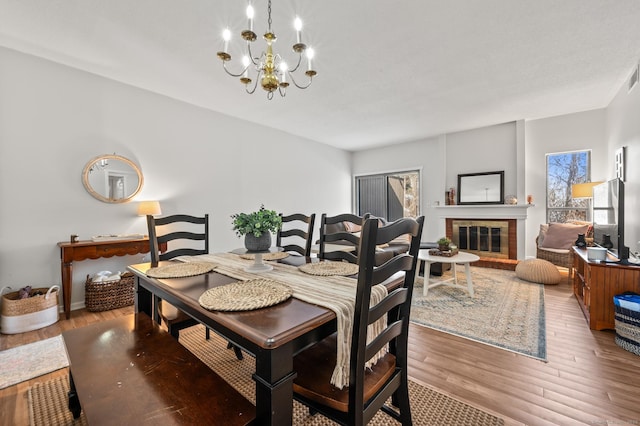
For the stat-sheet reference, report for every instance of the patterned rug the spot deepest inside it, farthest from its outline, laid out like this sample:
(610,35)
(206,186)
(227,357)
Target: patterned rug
(505,311)
(48,400)
(28,361)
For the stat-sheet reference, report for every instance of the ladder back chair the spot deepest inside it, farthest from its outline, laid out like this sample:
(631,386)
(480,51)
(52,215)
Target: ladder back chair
(341,230)
(296,233)
(187,229)
(169,230)
(369,388)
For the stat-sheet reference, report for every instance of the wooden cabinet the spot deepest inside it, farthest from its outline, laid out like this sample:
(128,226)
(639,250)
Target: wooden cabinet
(595,283)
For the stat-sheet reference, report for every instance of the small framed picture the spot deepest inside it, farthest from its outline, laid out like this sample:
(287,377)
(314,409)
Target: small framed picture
(620,163)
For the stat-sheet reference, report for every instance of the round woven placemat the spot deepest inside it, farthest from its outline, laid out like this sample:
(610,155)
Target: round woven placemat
(266,256)
(245,295)
(181,270)
(327,269)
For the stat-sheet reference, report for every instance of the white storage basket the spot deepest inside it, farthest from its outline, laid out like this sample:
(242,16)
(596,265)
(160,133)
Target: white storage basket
(21,315)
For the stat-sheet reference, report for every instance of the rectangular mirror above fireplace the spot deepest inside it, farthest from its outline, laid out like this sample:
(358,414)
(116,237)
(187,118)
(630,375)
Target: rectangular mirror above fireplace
(481,188)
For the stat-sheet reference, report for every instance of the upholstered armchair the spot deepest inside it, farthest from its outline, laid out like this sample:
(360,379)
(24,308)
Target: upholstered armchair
(555,242)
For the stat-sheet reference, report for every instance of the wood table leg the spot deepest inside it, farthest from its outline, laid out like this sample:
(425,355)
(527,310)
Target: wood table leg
(274,386)
(427,274)
(67,271)
(143,301)
(74,401)
(467,271)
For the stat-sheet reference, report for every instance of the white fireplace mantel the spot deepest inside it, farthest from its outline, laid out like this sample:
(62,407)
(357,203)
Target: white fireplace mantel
(490,211)
(484,211)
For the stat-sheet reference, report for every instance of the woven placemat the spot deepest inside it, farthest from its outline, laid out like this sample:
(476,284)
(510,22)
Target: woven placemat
(266,256)
(245,295)
(181,270)
(326,269)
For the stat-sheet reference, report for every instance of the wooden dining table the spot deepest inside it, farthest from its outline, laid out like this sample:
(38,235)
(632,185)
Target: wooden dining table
(273,335)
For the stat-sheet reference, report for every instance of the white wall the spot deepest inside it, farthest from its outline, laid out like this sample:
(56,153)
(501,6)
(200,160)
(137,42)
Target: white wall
(441,159)
(623,130)
(486,149)
(53,119)
(572,132)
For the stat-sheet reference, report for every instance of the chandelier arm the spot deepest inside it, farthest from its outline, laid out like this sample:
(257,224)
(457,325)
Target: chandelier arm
(298,64)
(296,83)
(256,60)
(255,84)
(283,92)
(224,65)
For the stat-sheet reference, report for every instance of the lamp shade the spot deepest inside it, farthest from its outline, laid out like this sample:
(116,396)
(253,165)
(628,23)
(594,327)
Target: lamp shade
(583,190)
(149,207)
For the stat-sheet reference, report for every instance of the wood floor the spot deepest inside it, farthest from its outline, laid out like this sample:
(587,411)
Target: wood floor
(588,379)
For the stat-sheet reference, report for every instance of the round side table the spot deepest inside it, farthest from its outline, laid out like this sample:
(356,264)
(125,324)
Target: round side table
(461,258)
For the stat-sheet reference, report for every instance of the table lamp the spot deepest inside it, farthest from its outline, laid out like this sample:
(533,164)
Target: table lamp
(584,190)
(149,208)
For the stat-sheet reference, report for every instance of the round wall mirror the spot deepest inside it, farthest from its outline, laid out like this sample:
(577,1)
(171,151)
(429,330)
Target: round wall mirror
(112,178)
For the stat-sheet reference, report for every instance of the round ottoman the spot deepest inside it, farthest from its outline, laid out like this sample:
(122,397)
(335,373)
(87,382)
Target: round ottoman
(538,271)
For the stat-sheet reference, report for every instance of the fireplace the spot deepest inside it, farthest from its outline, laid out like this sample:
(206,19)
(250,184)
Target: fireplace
(488,238)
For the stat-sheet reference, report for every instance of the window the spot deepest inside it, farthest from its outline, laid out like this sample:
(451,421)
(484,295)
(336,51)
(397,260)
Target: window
(389,195)
(563,170)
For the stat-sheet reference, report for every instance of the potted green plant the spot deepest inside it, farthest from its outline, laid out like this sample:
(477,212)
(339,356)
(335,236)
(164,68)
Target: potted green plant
(257,227)
(443,244)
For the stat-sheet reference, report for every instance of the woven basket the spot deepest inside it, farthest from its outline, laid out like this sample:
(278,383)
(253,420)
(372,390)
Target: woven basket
(627,323)
(21,315)
(106,295)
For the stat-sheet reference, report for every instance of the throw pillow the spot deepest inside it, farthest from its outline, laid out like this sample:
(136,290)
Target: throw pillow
(589,233)
(543,233)
(563,235)
(351,227)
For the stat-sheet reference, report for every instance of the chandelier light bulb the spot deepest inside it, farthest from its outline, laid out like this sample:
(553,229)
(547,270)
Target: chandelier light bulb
(297,23)
(284,68)
(244,76)
(250,15)
(310,55)
(226,36)
(245,63)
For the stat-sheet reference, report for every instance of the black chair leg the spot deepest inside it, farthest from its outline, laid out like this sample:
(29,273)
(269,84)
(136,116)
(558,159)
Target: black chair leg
(237,351)
(207,334)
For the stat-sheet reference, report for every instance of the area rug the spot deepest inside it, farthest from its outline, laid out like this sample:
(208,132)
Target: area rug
(32,360)
(505,311)
(48,400)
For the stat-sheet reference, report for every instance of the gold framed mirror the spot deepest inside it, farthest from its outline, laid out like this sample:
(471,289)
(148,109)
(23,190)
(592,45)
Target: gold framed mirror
(112,178)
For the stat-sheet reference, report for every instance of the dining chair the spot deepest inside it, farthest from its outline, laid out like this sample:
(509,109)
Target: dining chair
(369,387)
(299,231)
(168,230)
(184,235)
(342,232)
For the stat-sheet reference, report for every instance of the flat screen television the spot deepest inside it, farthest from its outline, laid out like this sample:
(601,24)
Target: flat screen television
(608,217)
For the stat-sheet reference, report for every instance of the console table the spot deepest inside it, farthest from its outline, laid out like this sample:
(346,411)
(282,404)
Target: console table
(595,283)
(82,250)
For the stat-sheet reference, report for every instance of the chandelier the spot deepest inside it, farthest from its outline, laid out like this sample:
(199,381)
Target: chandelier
(269,69)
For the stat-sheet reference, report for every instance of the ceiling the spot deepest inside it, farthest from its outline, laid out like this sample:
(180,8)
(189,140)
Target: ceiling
(388,71)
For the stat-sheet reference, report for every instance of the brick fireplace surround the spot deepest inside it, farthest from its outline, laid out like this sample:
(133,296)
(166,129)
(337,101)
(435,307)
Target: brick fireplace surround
(514,215)
(488,260)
